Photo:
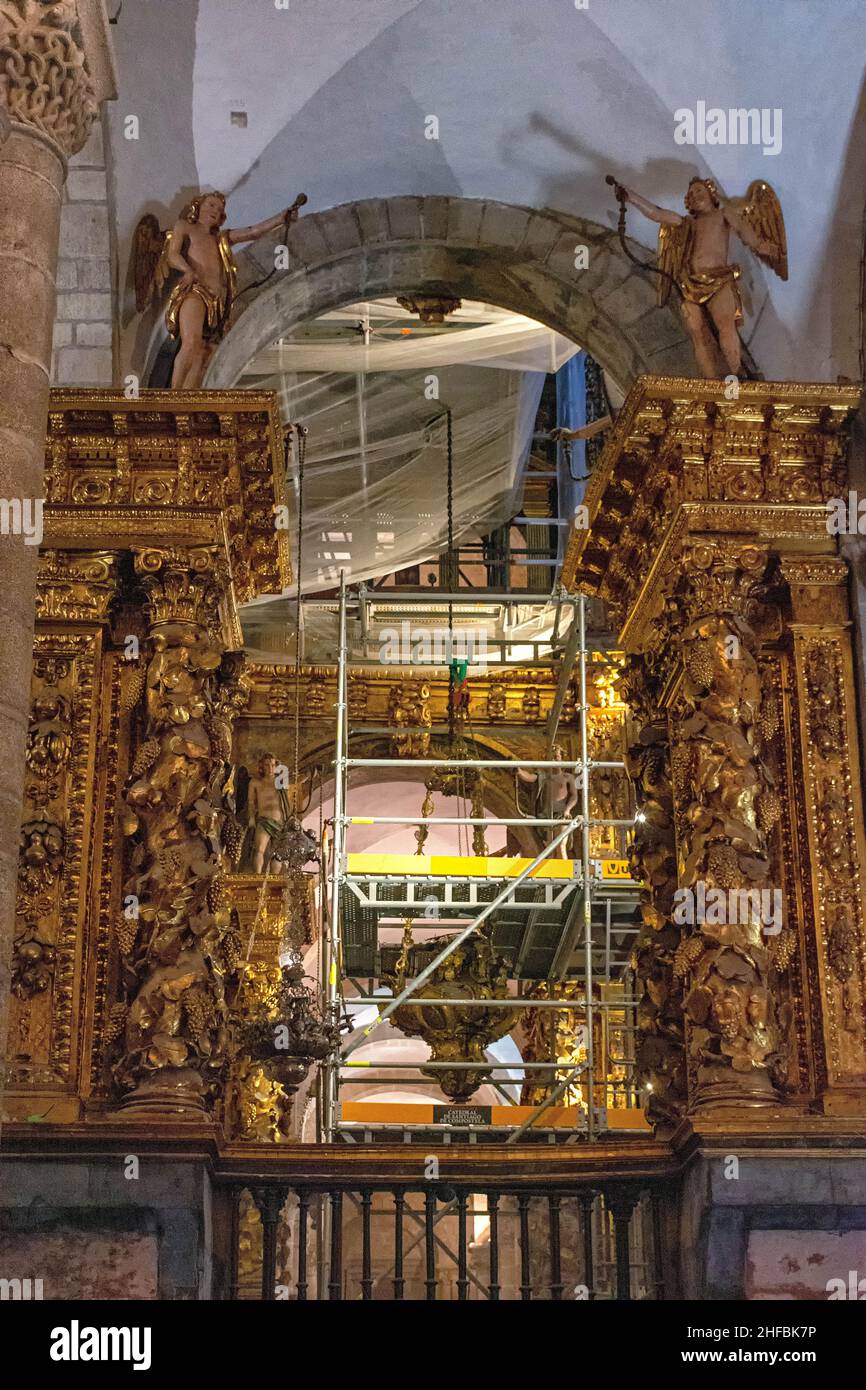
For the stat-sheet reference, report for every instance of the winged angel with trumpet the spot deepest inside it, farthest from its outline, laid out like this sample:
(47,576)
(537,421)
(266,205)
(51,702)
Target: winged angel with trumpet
(693,255)
(200,251)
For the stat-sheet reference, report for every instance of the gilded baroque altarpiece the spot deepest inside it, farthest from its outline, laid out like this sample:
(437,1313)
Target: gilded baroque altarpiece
(709,544)
(708,539)
(159,521)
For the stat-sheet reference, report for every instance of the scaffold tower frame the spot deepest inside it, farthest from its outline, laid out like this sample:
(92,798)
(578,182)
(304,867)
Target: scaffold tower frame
(460,892)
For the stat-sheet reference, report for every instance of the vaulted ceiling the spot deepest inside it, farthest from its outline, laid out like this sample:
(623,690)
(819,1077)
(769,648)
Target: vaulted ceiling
(535,104)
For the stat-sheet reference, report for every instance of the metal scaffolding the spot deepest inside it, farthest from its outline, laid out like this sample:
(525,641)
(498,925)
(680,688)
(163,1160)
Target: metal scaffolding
(533,899)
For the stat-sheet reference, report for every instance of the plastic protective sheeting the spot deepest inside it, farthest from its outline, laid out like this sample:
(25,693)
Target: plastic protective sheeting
(375,484)
(512,344)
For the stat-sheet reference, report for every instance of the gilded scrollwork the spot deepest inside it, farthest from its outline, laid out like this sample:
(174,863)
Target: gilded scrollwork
(821,677)
(357,693)
(74,588)
(409,708)
(257,1108)
(52,856)
(473,971)
(831,817)
(497,698)
(496,701)
(706,464)
(48,745)
(215,459)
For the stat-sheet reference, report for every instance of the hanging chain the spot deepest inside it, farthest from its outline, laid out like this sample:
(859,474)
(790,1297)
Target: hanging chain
(296,771)
(449,573)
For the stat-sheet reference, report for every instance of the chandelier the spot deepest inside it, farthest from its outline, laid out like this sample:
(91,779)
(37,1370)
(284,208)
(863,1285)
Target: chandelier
(430,308)
(294,1033)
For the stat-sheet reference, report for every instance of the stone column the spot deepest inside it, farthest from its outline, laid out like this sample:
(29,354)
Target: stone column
(54,71)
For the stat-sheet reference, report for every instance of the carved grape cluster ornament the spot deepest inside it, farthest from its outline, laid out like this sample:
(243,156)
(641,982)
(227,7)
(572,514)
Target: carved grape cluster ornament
(179,951)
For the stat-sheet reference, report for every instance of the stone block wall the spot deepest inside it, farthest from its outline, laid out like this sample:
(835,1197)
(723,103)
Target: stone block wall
(83,352)
(95,1229)
(780,1227)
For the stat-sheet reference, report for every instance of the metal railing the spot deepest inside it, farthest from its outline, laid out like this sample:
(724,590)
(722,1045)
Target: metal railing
(460,1240)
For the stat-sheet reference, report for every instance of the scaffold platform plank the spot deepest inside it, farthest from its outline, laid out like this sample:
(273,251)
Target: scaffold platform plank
(410,1115)
(454,866)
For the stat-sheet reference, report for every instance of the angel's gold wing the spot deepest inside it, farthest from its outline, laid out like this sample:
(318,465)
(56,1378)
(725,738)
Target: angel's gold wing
(150,266)
(672,255)
(762,212)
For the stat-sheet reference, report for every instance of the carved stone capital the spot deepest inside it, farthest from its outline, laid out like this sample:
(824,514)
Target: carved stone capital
(49,78)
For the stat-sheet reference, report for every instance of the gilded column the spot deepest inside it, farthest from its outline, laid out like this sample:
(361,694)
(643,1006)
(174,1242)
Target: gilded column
(54,72)
(158,523)
(177,942)
(729,900)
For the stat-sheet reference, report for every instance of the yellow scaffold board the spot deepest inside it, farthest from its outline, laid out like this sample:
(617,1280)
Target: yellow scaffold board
(454,866)
(473,866)
(615,870)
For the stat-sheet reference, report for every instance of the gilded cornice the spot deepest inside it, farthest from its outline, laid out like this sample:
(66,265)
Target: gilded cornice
(180,468)
(683,459)
(522,696)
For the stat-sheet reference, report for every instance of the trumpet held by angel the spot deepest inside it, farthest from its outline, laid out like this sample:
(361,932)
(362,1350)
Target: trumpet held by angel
(694,254)
(198,253)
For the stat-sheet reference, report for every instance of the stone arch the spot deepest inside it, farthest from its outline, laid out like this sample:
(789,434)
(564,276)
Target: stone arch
(514,257)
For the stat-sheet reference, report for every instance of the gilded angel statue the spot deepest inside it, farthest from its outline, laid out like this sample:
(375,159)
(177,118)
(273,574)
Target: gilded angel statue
(199,249)
(693,253)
